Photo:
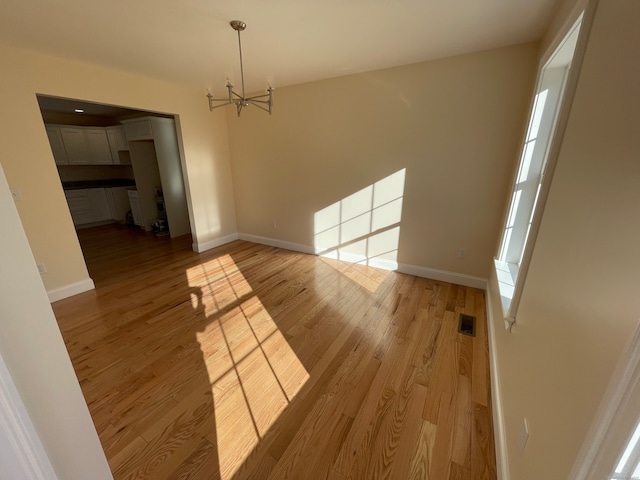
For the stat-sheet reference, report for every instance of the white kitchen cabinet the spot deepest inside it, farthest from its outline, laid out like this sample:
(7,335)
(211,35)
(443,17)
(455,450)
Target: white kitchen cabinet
(79,206)
(136,211)
(145,171)
(76,145)
(118,200)
(88,205)
(99,151)
(99,204)
(117,143)
(73,145)
(138,129)
(57,145)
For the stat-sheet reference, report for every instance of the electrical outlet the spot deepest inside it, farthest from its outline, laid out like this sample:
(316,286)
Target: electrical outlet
(462,253)
(524,435)
(42,268)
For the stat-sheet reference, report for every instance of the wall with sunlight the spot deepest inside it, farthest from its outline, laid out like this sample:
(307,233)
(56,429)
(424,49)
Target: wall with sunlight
(365,226)
(29,164)
(452,126)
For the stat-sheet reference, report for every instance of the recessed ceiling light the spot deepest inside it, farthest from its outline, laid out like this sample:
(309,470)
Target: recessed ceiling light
(79,110)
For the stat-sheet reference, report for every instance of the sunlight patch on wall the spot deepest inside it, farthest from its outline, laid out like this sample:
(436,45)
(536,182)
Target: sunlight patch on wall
(365,226)
(253,371)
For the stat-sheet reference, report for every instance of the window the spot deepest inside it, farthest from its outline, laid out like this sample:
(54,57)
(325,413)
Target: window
(529,188)
(628,467)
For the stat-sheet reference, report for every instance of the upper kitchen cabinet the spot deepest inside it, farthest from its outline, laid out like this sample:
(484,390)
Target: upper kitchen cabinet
(76,145)
(86,146)
(139,129)
(99,150)
(117,143)
(72,145)
(57,145)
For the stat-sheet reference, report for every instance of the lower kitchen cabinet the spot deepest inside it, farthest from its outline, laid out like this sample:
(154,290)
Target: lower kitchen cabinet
(88,205)
(118,203)
(136,210)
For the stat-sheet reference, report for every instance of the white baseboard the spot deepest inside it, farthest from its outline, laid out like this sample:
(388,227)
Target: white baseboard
(376,262)
(201,247)
(444,276)
(272,242)
(499,433)
(70,290)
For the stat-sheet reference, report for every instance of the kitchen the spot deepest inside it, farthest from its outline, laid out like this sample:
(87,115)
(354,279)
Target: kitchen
(117,165)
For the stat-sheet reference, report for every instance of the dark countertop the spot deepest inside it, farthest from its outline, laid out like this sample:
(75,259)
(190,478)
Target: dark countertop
(110,183)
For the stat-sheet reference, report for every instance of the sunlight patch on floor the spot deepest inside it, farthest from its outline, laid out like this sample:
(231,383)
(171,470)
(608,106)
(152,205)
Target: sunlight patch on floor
(254,373)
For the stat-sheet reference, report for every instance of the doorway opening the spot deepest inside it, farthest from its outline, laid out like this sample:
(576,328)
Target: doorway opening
(120,168)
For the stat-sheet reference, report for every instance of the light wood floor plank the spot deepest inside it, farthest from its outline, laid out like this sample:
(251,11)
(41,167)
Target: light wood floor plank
(252,362)
(422,456)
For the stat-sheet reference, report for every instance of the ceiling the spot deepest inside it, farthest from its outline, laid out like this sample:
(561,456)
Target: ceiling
(286,42)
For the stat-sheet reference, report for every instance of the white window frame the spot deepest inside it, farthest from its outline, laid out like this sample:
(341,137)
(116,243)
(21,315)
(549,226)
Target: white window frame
(555,86)
(611,431)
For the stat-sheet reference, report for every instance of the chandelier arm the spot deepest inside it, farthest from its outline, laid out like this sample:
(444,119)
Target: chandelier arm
(211,107)
(266,95)
(268,110)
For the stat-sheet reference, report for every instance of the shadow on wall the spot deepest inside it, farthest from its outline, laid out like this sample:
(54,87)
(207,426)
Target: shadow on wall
(365,226)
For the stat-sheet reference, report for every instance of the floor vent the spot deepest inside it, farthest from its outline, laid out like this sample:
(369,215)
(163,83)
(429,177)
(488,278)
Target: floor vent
(467,325)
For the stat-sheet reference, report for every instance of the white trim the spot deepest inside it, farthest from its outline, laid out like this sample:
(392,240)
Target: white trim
(444,276)
(578,8)
(70,290)
(499,432)
(21,452)
(617,405)
(202,247)
(433,273)
(272,242)
(376,262)
(506,275)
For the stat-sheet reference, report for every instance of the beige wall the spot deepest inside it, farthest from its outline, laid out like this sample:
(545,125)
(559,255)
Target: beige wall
(454,124)
(34,352)
(580,302)
(29,166)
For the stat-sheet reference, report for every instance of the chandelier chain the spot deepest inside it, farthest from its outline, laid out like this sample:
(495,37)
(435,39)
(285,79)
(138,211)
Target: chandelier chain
(241,67)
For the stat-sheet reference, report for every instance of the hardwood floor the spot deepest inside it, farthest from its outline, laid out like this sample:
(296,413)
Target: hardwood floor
(251,362)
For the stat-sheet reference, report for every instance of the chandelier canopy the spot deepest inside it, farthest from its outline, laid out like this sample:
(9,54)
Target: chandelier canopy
(265,101)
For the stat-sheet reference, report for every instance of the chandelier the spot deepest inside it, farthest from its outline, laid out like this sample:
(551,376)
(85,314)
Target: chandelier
(265,101)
